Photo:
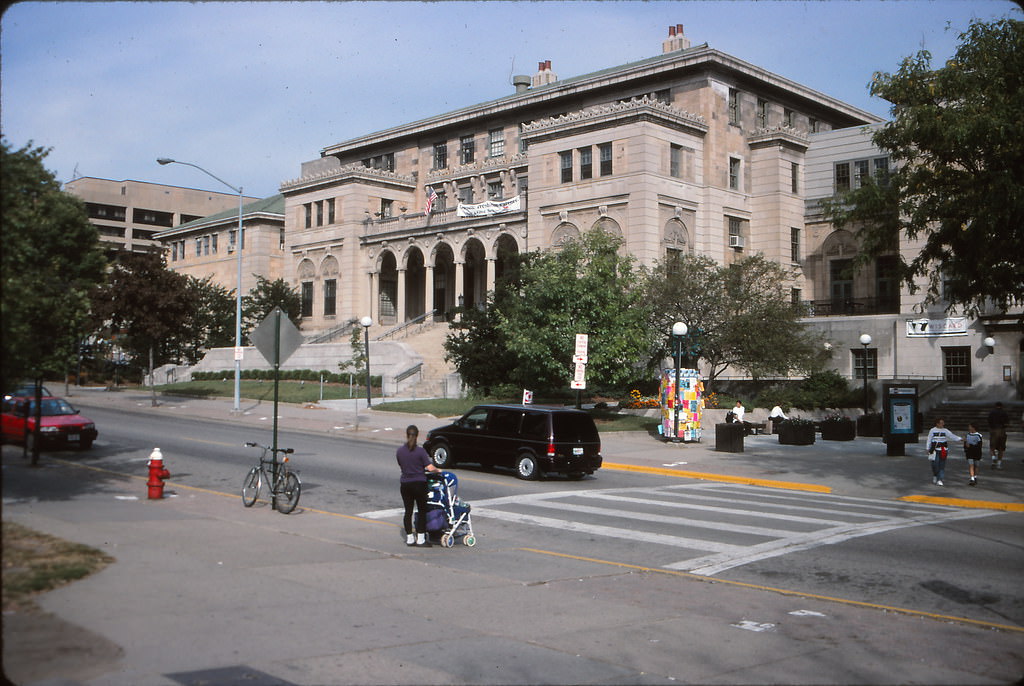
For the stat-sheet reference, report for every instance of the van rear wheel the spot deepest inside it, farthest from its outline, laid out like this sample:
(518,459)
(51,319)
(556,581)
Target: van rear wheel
(442,457)
(526,467)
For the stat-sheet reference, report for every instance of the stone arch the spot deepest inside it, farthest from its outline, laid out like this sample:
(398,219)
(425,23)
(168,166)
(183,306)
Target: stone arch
(387,304)
(443,259)
(609,226)
(329,267)
(676,242)
(506,251)
(415,283)
(306,270)
(562,233)
(474,272)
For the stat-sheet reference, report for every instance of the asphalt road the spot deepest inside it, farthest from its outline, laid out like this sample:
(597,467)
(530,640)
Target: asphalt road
(934,560)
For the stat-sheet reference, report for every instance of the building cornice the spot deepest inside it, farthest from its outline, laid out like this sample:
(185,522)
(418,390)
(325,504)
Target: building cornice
(350,173)
(614,114)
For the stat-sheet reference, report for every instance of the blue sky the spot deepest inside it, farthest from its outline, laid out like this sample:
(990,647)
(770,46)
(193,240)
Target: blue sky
(251,90)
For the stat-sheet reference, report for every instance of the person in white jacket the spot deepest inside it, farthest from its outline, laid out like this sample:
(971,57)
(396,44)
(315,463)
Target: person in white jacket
(938,449)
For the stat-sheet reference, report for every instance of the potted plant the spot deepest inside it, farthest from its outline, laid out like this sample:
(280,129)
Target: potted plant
(837,428)
(796,431)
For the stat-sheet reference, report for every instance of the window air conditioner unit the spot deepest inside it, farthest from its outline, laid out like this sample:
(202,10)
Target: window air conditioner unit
(735,241)
(231,248)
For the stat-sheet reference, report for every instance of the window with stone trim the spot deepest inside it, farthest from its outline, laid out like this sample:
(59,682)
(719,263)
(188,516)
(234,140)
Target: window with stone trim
(496,143)
(467,150)
(956,365)
(330,297)
(440,155)
(606,158)
(566,165)
(586,162)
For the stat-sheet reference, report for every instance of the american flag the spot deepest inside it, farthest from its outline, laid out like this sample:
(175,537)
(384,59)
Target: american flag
(431,197)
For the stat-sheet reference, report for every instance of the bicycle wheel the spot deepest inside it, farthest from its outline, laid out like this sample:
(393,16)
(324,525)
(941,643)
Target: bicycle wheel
(251,487)
(288,496)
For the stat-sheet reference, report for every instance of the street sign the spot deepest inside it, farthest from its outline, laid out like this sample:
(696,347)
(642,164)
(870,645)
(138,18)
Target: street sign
(239,353)
(579,379)
(527,397)
(263,337)
(580,354)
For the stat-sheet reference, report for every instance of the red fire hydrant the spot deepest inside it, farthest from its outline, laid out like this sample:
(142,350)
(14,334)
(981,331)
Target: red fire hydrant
(157,474)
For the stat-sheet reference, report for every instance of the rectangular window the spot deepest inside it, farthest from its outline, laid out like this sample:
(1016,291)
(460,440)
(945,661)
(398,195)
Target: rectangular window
(794,178)
(494,190)
(566,162)
(861,170)
(734,106)
(762,113)
(330,297)
(734,173)
(319,213)
(174,251)
(199,247)
(675,160)
(307,299)
(467,150)
(586,163)
(386,208)
(440,155)
(794,244)
(842,177)
(865,361)
(841,286)
(787,117)
(309,214)
(213,243)
(606,159)
(466,195)
(206,245)
(280,239)
(496,143)
(663,96)
(881,165)
(795,296)
(812,125)
(330,211)
(735,227)
(956,365)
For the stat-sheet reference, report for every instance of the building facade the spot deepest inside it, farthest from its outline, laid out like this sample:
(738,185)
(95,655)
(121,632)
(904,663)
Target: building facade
(690,151)
(945,353)
(129,214)
(209,246)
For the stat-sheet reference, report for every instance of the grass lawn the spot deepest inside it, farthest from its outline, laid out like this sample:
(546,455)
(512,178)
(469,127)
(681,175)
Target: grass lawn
(36,562)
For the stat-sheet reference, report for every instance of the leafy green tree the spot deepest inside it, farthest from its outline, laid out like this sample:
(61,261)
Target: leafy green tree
(738,316)
(212,323)
(527,337)
(957,143)
(262,300)
(147,303)
(51,258)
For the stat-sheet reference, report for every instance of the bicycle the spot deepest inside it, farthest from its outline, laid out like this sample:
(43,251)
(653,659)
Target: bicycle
(285,487)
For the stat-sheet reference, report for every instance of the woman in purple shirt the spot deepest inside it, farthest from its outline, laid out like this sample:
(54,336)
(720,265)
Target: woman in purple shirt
(415,464)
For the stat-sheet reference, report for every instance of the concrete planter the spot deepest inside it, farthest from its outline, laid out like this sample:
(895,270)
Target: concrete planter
(791,433)
(838,430)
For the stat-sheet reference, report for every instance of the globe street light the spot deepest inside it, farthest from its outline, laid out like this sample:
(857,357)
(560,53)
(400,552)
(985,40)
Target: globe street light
(238,290)
(678,332)
(865,340)
(366,323)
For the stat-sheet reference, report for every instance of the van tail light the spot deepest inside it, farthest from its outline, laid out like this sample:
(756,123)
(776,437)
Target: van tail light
(551,449)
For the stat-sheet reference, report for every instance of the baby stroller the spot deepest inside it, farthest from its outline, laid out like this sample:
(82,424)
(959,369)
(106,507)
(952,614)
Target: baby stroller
(447,514)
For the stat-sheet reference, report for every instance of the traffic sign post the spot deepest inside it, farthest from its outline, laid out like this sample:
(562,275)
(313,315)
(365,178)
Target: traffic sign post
(579,358)
(276,338)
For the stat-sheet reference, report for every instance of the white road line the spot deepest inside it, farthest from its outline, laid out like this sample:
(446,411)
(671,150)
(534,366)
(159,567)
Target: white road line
(726,510)
(714,564)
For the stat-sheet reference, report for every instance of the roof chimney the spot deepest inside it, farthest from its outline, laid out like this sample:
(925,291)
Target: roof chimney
(521,82)
(675,41)
(544,74)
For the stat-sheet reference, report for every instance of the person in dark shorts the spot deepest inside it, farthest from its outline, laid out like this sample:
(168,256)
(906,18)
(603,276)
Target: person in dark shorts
(972,452)
(997,421)
(415,463)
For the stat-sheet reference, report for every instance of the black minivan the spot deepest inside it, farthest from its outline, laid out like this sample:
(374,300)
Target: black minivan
(532,439)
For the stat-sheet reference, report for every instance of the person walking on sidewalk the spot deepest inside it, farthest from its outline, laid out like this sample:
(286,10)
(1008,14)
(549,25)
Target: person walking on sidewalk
(997,421)
(414,463)
(938,451)
(972,452)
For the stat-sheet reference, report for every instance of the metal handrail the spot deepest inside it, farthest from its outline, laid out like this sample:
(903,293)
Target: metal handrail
(406,325)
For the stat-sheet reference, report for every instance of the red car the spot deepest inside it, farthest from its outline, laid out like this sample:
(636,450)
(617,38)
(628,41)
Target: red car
(60,424)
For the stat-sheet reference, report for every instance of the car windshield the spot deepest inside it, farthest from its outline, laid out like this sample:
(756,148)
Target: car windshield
(52,407)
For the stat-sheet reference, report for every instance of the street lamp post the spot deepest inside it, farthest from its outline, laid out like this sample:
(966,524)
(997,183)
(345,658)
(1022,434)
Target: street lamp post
(238,290)
(366,323)
(678,332)
(865,340)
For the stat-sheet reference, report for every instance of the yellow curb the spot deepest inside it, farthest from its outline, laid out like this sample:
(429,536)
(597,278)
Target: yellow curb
(750,481)
(959,502)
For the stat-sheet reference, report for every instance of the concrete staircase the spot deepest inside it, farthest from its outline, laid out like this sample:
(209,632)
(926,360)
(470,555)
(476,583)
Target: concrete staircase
(437,378)
(958,414)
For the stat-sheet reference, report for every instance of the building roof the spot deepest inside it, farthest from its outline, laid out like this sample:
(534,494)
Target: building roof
(693,59)
(270,208)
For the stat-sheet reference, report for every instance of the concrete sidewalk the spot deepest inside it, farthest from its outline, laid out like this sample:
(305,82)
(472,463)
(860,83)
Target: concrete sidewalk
(204,591)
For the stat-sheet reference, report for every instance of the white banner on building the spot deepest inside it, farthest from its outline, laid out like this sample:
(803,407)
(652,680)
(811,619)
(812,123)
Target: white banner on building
(485,209)
(950,326)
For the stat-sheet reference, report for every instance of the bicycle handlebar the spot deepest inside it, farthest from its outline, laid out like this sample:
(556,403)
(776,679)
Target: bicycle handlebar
(286,451)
